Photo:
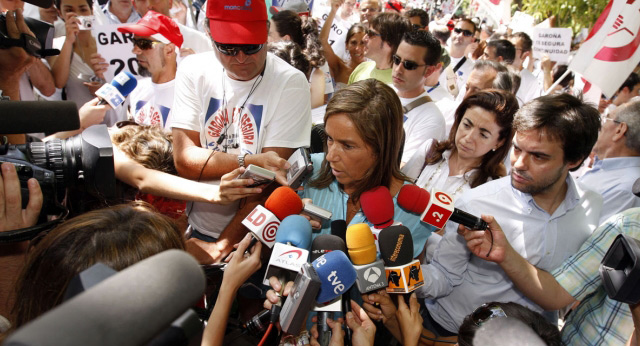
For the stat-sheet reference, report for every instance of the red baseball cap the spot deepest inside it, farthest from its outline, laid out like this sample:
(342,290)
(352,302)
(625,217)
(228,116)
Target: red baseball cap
(157,26)
(238,21)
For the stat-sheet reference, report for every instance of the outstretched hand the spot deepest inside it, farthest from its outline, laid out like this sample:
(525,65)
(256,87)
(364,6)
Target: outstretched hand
(410,320)
(232,189)
(491,244)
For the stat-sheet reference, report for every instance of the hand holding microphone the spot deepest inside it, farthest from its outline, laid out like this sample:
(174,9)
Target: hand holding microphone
(116,92)
(362,327)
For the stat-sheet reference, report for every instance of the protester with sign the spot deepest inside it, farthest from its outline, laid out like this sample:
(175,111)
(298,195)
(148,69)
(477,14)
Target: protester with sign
(156,41)
(342,69)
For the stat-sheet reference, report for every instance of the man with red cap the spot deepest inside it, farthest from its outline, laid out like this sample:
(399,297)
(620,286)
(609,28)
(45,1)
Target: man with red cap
(233,107)
(156,41)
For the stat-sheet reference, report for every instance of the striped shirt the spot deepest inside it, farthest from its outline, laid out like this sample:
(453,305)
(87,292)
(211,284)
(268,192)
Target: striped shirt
(598,320)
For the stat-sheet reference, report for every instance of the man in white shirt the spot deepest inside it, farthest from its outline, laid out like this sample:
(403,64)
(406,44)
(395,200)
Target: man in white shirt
(544,213)
(194,40)
(417,58)
(530,87)
(458,71)
(120,11)
(155,44)
(617,165)
(233,107)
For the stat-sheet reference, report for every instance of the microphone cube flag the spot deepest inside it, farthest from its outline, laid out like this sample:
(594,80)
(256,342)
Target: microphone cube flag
(405,278)
(263,224)
(285,257)
(438,210)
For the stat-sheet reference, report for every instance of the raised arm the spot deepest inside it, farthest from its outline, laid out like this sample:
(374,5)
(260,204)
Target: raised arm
(538,285)
(332,59)
(61,63)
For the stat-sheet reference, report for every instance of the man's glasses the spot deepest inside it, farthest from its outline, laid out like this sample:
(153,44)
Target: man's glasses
(486,312)
(614,120)
(372,33)
(233,49)
(143,43)
(464,32)
(407,64)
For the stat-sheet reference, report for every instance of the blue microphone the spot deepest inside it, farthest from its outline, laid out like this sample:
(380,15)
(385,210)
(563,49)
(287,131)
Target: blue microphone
(291,249)
(117,91)
(295,230)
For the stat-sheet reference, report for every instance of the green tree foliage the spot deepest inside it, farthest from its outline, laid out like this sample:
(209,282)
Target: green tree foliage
(574,14)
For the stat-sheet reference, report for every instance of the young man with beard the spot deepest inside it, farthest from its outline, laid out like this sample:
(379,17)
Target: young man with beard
(155,43)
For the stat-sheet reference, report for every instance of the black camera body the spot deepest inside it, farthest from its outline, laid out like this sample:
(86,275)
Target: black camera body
(83,162)
(38,46)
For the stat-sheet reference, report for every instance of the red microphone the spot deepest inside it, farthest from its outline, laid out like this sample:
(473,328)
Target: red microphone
(377,206)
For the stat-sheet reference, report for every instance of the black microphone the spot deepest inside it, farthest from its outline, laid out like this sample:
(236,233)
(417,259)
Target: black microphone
(128,308)
(339,229)
(38,116)
(404,274)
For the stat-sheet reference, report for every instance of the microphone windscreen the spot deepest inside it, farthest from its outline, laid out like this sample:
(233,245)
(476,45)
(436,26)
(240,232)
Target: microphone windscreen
(336,274)
(361,244)
(339,228)
(283,202)
(125,82)
(38,116)
(413,198)
(636,188)
(129,308)
(396,246)
(326,243)
(295,229)
(377,206)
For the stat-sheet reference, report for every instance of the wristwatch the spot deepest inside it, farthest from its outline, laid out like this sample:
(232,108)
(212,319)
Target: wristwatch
(241,160)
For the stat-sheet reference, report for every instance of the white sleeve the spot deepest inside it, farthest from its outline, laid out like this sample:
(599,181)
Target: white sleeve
(413,166)
(187,103)
(430,126)
(290,126)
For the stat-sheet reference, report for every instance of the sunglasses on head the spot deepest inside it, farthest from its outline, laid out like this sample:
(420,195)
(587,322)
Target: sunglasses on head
(486,312)
(464,32)
(372,33)
(233,49)
(143,43)
(407,64)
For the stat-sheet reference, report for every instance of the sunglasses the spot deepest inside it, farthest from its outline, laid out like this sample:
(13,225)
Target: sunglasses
(143,43)
(407,64)
(486,312)
(233,49)
(372,33)
(465,33)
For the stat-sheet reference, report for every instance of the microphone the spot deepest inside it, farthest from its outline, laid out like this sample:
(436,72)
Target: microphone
(117,91)
(403,273)
(263,222)
(323,244)
(377,206)
(339,228)
(362,250)
(38,116)
(436,211)
(325,279)
(290,250)
(123,309)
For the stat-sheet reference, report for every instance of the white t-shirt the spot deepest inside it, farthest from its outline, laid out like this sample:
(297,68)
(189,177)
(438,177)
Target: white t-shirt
(420,124)
(194,39)
(151,103)
(276,114)
(529,89)
(461,74)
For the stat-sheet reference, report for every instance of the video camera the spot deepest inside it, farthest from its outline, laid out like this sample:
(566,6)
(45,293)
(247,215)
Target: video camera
(82,164)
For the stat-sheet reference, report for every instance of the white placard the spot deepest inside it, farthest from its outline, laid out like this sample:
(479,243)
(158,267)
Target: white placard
(115,47)
(555,42)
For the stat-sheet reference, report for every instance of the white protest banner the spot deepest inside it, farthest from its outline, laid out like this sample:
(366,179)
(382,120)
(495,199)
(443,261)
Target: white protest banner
(522,22)
(611,52)
(555,42)
(115,47)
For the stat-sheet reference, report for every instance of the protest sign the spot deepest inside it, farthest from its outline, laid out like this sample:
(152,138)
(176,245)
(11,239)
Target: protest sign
(115,47)
(555,42)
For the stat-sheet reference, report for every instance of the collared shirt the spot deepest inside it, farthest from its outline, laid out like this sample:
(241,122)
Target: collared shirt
(613,178)
(112,19)
(461,281)
(598,320)
(335,200)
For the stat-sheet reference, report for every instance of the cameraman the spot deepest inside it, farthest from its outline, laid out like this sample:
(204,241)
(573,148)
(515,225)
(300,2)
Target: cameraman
(14,61)
(12,216)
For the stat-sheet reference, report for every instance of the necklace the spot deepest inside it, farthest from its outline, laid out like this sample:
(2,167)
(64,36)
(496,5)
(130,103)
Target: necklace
(437,172)
(224,135)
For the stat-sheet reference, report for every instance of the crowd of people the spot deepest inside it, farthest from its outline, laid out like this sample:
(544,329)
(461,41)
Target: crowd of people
(447,103)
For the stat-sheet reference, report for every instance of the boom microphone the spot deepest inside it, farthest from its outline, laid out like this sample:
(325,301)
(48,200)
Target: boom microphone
(128,308)
(363,254)
(403,273)
(117,91)
(38,116)
(436,211)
